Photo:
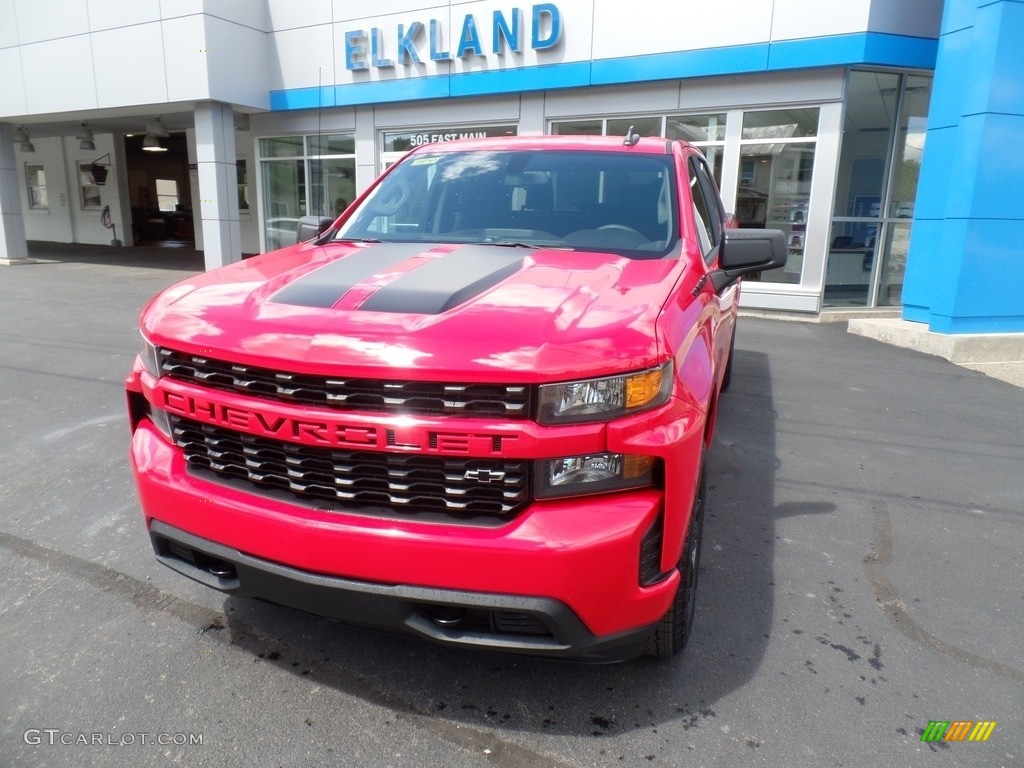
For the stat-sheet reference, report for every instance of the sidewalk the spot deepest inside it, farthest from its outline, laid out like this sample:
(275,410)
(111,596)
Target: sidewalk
(999,355)
(150,256)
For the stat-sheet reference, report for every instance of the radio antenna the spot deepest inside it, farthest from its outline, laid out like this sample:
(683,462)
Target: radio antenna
(319,202)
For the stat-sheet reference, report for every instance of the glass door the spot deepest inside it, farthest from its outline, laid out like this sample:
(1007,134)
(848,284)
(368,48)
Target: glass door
(883,140)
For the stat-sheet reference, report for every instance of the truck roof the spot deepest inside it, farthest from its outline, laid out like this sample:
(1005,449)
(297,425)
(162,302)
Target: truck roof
(649,145)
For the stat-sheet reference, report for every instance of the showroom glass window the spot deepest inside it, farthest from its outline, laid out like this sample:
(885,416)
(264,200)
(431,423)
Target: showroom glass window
(706,131)
(395,144)
(776,164)
(303,175)
(876,188)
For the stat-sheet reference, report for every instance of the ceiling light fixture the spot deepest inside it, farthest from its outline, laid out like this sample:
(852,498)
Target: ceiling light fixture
(156,127)
(152,144)
(85,138)
(21,137)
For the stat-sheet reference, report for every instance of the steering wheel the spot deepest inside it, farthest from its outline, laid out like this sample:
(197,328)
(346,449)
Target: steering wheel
(623,228)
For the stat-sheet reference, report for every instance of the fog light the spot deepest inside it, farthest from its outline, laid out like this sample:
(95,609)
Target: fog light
(594,473)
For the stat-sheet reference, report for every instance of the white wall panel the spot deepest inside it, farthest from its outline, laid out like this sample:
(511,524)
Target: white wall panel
(248,13)
(917,18)
(303,122)
(170,9)
(12,86)
(186,58)
(8,29)
(348,10)
(294,57)
(624,29)
(58,75)
(54,223)
(248,220)
(794,19)
(497,109)
(85,224)
(757,90)
(631,99)
(51,19)
(129,65)
(237,63)
(287,14)
(111,14)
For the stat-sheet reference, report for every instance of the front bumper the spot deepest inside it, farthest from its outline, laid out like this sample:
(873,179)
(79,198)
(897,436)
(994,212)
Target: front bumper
(573,564)
(525,625)
(560,578)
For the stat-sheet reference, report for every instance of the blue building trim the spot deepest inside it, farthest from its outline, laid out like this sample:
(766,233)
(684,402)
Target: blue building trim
(965,269)
(681,64)
(873,48)
(302,98)
(866,48)
(543,78)
(380,91)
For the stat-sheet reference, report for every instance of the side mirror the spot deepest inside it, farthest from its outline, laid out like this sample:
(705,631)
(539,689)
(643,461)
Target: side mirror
(748,250)
(311,227)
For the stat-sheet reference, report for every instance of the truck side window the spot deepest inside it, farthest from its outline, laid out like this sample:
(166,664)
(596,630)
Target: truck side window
(715,209)
(705,213)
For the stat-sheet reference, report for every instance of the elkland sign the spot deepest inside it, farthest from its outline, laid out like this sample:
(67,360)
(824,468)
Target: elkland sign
(410,44)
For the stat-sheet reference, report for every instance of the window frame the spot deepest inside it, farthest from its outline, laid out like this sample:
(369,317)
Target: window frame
(36,192)
(705,204)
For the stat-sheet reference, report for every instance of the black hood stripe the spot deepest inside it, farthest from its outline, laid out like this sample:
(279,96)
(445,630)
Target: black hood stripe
(323,287)
(446,281)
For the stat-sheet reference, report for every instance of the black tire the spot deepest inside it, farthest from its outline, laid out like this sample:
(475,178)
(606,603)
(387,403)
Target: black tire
(669,638)
(727,378)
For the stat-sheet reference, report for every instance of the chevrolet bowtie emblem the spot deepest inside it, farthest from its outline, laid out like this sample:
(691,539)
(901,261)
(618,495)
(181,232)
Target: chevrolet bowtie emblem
(484,475)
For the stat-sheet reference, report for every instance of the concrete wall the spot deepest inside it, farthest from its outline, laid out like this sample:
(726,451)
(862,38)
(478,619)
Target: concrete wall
(72,55)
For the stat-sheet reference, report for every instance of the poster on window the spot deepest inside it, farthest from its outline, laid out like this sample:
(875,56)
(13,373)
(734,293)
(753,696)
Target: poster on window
(90,189)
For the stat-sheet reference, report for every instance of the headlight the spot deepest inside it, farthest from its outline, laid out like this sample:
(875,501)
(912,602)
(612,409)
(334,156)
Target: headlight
(602,399)
(150,357)
(596,473)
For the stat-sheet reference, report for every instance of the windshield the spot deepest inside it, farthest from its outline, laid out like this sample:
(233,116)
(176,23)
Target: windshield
(605,201)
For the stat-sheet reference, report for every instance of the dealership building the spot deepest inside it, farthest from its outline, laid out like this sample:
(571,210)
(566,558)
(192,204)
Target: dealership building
(882,137)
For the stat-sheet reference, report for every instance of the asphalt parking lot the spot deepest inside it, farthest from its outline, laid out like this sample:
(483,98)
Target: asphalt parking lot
(862,575)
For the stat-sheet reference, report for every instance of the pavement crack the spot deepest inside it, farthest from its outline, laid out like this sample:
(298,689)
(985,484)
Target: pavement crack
(876,565)
(207,622)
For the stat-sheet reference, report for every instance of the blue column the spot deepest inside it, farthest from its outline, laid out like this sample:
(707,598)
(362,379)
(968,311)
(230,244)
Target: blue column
(965,270)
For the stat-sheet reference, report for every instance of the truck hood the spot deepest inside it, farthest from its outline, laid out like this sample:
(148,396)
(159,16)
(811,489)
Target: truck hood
(446,311)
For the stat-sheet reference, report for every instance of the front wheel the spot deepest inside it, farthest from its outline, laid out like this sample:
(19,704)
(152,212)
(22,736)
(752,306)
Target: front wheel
(727,378)
(670,636)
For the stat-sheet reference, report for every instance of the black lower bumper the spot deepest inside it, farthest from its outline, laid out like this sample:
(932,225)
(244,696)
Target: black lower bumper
(508,623)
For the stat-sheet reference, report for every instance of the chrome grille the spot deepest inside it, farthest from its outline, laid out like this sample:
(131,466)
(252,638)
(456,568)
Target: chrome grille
(409,484)
(415,397)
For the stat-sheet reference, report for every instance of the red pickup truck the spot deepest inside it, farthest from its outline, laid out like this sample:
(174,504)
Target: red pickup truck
(475,408)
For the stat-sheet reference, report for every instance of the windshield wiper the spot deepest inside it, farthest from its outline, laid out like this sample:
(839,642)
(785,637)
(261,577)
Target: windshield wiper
(520,244)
